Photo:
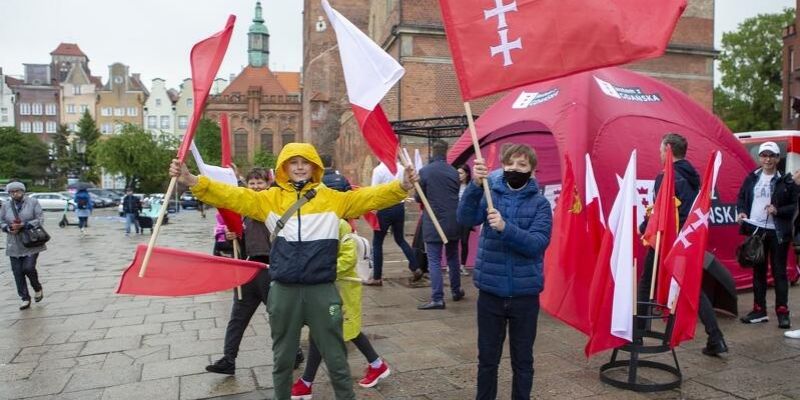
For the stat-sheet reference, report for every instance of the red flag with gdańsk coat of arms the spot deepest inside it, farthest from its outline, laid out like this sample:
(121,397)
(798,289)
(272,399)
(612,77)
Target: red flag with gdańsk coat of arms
(684,263)
(501,44)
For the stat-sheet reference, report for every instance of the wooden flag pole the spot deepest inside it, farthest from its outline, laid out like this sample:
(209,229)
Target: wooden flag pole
(655,266)
(236,257)
(406,161)
(171,188)
(477,147)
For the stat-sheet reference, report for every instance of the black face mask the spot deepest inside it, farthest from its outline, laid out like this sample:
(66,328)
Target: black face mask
(516,179)
(299,185)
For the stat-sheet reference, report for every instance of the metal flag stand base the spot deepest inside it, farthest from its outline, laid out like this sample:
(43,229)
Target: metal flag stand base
(637,347)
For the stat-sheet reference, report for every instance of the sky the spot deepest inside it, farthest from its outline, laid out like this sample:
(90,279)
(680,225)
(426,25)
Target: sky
(154,37)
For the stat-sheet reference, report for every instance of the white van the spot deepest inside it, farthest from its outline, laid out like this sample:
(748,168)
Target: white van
(788,142)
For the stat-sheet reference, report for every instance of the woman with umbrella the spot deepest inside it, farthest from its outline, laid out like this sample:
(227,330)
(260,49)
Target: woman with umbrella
(83,208)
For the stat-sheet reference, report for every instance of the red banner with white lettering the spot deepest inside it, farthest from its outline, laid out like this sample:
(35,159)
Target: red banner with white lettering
(527,41)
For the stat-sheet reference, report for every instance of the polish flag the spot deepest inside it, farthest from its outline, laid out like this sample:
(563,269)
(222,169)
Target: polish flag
(369,73)
(232,220)
(684,263)
(663,220)
(595,221)
(612,294)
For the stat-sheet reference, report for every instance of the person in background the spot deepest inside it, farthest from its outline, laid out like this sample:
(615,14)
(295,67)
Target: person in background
(347,282)
(767,201)
(509,265)
(131,206)
(464,178)
(332,178)
(16,214)
(223,239)
(439,182)
(393,217)
(83,208)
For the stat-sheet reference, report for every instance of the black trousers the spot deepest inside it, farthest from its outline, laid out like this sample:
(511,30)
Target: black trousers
(254,293)
(25,267)
(776,254)
(315,358)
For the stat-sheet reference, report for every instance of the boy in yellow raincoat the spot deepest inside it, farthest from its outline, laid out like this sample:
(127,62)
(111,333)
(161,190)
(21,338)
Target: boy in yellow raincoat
(349,285)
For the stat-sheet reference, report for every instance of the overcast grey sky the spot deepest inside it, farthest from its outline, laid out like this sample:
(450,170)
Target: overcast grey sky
(154,37)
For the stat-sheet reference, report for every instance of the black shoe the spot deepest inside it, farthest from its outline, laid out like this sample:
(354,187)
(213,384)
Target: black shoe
(38,296)
(784,322)
(458,296)
(431,305)
(757,315)
(222,366)
(299,358)
(715,347)
(417,275)
(26,304)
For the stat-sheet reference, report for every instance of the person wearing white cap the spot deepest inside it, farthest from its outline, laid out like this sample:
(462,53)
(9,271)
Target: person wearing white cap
(16,214)
(767,202)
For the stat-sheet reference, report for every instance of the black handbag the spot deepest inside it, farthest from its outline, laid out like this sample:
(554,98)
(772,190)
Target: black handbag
(751,252)
(32,236)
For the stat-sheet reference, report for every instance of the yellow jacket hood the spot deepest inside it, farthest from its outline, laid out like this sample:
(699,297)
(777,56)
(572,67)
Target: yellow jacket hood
(304,150)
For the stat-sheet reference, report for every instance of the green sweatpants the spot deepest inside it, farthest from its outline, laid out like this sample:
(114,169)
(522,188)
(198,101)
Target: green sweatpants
(290,306)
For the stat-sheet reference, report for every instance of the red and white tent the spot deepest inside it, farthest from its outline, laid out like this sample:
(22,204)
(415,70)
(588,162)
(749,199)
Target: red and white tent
(607,113)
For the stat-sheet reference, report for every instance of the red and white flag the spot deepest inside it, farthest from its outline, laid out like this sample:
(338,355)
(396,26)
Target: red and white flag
(684,263)
(369,73)
(664,222)
(595,221)
(205,58)
(526,41)
(612,294)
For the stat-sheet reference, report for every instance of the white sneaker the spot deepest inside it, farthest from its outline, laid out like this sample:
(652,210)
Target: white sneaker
(26,304)
(795,334)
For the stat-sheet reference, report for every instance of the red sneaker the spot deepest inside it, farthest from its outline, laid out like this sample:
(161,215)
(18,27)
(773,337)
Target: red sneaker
(373,375)
(300,391)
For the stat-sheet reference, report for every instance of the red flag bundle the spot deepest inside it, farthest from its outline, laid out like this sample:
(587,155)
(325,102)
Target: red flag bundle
(569,260)
(684,263)
(663,220)
(174,272)
(232,220)
(205,58)
(526,41)
(595,223)
(369,73)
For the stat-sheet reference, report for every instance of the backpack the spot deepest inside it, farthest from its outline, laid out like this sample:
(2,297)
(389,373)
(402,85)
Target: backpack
(363,256)
(83,203)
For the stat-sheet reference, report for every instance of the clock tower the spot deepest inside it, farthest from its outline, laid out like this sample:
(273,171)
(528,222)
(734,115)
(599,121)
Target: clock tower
(258,41)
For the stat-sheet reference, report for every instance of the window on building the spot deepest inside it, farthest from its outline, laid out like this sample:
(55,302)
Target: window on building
(84,108)
(50,108)
(240,144)
(36,109)
(4,118)
(105,111)
(72,127)
(76,89)
(70,108)
(266,141)
(182,122)
(165,122)
(24,108)
(50,127)
(189,102)
(105,128)
(158,102)
(117,128)
(152,121)
(133,111)
(4,110)
(38,126)
(25,126)
(287,137)
(119,112)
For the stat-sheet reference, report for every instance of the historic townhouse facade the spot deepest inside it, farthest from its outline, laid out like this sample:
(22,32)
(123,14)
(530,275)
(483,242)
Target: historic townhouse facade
(159,109)
(37,98)
(6,102)
(78,87)
(121,100)
(184,107)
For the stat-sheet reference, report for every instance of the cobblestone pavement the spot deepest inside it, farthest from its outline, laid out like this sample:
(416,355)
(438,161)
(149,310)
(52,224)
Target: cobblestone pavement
(84,342)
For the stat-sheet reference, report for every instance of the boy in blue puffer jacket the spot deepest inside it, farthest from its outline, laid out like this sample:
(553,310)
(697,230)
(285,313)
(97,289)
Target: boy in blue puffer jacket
(509,264)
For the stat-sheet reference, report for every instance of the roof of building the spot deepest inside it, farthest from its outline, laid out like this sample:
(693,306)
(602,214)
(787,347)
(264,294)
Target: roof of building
(68,49)
(289,80)
(174,95)
(13,81)
(256,76)
(98,81)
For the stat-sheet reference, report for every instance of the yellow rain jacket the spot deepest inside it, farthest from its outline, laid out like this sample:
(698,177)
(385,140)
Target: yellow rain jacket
(306,248)
(348,282)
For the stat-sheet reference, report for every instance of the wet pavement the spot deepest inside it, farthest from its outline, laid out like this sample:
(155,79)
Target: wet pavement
(85,342)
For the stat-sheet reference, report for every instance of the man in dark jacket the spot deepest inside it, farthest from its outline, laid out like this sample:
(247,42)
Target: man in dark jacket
(331,177)
(687,186)
(130,208)
(439,182)
(767,201)
(508,271)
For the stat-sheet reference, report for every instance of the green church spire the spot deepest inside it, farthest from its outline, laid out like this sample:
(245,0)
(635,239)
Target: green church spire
(258,41)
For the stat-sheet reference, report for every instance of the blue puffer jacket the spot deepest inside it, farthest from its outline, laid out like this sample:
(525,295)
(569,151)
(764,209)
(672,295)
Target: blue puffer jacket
(509,263)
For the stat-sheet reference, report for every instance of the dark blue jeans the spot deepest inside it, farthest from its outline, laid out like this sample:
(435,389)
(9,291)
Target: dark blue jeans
(23,267)
(520,315)
(393,217)
(435,268)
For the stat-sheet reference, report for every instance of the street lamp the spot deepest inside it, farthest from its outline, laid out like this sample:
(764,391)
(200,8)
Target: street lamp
(80,147)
